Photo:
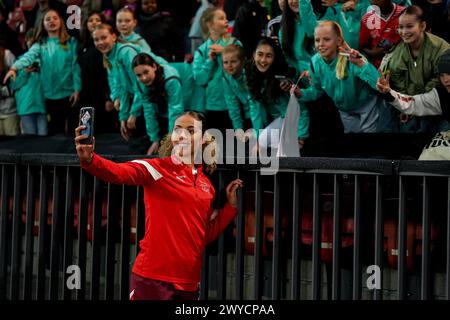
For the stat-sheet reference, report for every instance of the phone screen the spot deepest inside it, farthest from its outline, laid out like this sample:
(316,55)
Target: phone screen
(87,119)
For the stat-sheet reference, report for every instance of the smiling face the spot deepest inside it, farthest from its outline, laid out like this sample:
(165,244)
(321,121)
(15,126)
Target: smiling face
(231,63)
(411,29)
(52,22)
(104,40)
(264,56)
(145,73)
(93,22)
(219,23)
(327,42)
(125,23)
(187,135)
(293,5)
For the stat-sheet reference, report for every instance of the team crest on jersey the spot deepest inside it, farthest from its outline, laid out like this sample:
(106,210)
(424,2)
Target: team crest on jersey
(204,186)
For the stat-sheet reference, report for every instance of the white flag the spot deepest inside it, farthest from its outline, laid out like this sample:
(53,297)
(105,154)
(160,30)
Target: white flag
(288,146)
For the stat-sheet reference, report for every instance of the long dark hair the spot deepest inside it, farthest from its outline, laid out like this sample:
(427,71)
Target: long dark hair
(288,22)
(264,87)
(288,29)
(86,37)
(157,91)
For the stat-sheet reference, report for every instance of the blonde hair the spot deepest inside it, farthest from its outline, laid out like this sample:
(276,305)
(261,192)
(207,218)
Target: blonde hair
(341,65)
(207,17)
(166,148)
(234,48)
(105,26)
(42,34)
(110,29)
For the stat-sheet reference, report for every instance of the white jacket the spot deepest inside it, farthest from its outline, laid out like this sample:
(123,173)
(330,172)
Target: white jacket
(426,104)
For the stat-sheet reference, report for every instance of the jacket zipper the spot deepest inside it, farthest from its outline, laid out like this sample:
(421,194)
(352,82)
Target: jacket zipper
(194,173)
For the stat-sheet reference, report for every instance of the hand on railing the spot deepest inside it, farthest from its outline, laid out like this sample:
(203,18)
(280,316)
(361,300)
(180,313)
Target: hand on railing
(85,152)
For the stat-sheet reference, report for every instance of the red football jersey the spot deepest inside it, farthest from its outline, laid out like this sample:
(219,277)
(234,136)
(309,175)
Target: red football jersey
(178,212)
(378,31)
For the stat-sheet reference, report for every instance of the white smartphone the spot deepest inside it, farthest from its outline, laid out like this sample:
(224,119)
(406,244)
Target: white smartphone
(346,54)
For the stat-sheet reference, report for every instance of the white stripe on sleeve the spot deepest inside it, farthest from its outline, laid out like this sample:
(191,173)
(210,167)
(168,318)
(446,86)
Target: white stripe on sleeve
(153,172)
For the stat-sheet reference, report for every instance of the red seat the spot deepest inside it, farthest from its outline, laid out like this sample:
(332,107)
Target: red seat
(326,244)
(413,242)
(250,223)
(326,214)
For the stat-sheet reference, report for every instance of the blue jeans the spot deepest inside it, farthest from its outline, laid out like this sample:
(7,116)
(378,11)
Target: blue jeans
(34,124)
(362,120)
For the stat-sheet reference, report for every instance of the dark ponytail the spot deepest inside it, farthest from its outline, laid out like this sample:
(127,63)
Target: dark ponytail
(157,90)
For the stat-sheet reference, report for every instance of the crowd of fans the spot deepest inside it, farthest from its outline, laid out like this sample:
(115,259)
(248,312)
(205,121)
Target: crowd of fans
(355,66)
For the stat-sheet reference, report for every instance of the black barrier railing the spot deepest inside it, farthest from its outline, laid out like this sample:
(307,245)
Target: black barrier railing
(317,229)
